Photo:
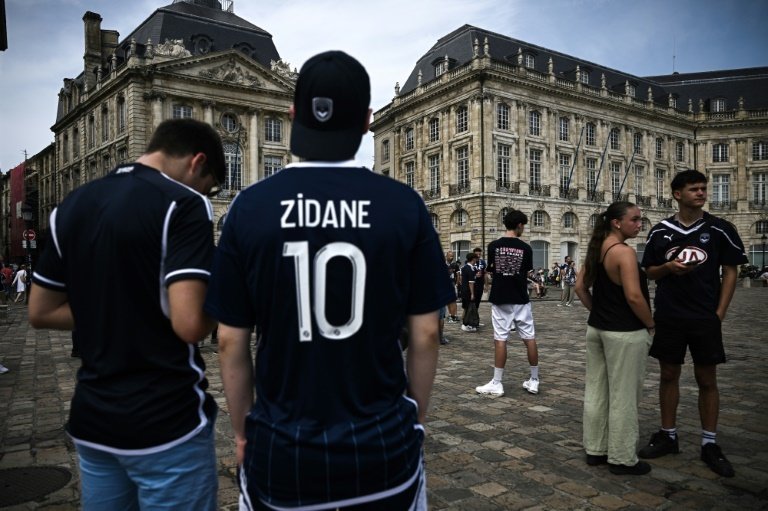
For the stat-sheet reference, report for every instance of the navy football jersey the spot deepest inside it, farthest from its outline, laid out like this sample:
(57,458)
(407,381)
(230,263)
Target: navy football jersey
(711,242)
(328,262)
(116,245)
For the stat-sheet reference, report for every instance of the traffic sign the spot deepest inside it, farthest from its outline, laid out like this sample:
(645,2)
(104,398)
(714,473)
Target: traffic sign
(29,234)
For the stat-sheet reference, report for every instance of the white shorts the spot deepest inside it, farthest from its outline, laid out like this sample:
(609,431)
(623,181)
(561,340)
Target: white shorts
(505,316)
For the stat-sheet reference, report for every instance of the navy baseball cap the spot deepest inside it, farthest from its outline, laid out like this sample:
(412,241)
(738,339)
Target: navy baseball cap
(333,94)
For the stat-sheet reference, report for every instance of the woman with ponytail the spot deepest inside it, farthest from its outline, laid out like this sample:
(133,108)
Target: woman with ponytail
(620,326)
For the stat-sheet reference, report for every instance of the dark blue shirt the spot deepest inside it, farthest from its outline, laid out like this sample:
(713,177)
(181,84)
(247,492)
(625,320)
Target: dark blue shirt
(712,242)
(116,245)
(328,262)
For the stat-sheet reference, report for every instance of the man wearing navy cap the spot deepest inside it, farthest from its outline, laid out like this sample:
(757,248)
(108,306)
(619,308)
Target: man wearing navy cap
(306,256)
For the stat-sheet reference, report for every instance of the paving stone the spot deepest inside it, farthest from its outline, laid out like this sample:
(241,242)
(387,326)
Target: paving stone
(516,452)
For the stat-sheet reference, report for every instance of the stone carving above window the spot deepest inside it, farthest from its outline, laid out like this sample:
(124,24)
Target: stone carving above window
(231,72)
(172,48)
(283,69)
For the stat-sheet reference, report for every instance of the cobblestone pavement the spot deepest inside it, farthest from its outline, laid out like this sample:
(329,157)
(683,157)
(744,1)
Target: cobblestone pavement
(519,451)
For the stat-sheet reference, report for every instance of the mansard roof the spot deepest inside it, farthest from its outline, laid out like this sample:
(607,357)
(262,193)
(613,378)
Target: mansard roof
(749,84)
(188,21)
(459,47)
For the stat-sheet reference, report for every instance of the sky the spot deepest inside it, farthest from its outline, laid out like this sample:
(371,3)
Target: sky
(45,42)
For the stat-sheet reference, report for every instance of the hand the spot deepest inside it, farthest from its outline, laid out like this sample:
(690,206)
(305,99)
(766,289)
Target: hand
(677,267)
(720,314)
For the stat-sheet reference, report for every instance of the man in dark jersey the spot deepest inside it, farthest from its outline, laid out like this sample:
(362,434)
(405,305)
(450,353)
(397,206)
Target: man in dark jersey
(306,256)
(684,254)
(140,418)
(509,261)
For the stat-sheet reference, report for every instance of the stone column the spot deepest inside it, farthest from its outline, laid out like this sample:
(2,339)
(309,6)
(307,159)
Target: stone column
(208,111)
(253,147)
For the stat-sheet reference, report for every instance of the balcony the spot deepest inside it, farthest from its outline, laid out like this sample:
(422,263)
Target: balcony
(432,193)
(594,196)
(459,189)
(539,190)
(507,186)
(664,203)
(758,204)
(643,200)
(723,205)
(572,194)
(620,197)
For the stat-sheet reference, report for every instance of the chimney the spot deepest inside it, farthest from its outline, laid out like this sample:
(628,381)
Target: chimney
(92,55)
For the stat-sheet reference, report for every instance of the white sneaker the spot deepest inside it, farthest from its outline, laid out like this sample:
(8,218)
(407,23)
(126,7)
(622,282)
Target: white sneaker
(3,369)
(468,328)
(531,386)
(493,388)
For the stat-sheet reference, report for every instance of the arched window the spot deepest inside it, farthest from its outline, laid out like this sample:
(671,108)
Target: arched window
(761,227)
(569,220)
(435,221)
(504,212)
(592,221)
(539,219)
(460,218)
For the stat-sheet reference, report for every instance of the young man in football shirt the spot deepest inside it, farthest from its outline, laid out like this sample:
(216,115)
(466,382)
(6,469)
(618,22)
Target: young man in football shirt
(509,261)
(140,418)
(684,254)
(307,257)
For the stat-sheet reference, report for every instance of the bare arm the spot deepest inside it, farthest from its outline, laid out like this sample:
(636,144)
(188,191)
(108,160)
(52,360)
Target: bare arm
(630,282)
(185,298)
(49,309)
(726,290)
(421,362)
(582,291)
(237,378)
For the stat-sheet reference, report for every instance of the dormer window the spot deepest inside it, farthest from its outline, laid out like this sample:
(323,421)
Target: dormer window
(718,105)
(631,90)
(530,61)
(440,68)
(584,77)
(202,44)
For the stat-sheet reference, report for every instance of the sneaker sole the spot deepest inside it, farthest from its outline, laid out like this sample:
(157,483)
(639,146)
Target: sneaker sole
(492,394)
(530,391)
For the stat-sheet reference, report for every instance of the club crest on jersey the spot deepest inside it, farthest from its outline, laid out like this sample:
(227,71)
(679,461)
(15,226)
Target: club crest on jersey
(688,255)
(704,238)
(322,109)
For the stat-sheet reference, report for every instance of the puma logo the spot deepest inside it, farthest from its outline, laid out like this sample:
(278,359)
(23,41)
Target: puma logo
(668,236)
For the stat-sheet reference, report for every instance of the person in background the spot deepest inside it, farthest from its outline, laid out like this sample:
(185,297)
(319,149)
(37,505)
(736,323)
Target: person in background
(454,269)
(468,292)
(569,281)
(140,418)
(20,281)
(509,261)
(613,287)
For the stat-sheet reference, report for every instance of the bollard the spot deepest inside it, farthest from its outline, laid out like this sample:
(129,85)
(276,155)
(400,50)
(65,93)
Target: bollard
(747,282)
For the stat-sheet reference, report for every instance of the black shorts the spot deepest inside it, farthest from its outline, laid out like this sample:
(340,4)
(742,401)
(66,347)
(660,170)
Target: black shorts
(703,337)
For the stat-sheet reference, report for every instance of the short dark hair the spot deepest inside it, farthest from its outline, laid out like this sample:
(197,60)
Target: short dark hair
(471,256)
(514,218)
(687,177)
(184,137)
(477,249)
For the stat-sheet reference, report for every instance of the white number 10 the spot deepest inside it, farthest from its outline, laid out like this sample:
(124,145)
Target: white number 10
(299,250)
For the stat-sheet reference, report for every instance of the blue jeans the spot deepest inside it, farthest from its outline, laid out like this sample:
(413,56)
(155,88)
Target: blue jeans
(183,477)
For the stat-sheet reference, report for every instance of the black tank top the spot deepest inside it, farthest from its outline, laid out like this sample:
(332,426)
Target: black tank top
(610,310)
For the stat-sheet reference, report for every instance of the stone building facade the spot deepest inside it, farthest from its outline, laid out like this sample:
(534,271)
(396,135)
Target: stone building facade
(486,122)
(205,63)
